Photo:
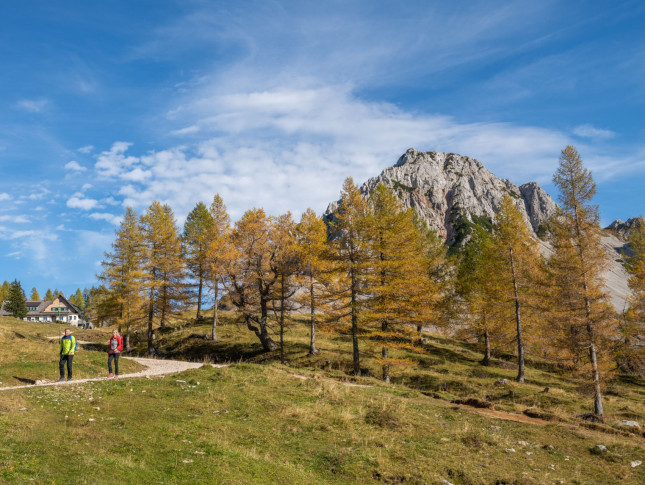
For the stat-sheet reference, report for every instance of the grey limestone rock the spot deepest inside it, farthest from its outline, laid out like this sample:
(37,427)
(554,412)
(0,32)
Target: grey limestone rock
(451,191)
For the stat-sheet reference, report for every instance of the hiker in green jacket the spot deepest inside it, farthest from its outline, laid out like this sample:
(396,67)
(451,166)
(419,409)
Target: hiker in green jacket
(67,348)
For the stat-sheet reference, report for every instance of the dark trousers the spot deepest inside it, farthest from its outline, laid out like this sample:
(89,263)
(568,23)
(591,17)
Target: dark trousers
(116,363)
(61,365)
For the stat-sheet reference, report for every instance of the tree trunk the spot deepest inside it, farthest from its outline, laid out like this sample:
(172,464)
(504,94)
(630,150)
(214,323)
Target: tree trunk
(518,322)
(151,349)
(312,344)
(355,355)
(162,324)
(127,339)
(598,411)
(385,353)
(486,360)
(282,303)
(199,297)
(215,305)
(262,333)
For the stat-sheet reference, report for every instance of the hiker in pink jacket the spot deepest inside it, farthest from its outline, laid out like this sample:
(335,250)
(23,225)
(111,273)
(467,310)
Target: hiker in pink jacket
(115,347)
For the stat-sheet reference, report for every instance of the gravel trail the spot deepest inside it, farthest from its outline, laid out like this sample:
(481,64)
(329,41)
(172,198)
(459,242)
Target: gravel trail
(154,367)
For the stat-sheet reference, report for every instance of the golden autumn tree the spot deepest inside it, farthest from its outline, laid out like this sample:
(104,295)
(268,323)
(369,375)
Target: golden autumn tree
(403,295)
(284,264)
(516,271)
(163,265)
(581,316)
(219,253)
(311,237)
(195,239)
(251,278)
(123,273)
(633,327)
(476,297)
(349,257)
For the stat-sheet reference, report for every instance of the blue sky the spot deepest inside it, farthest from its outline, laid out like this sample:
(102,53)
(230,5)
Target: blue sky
(273,104)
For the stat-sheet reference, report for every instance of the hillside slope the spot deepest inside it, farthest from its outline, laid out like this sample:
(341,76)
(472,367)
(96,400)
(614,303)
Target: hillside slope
(267,423)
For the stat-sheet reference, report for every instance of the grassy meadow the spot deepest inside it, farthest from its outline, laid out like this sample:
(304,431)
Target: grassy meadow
(309,421)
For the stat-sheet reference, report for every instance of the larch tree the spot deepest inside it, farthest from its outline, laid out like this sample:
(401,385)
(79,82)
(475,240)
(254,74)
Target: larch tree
(123,274)
(284,265)
(4,291)
(403,295)
(34,295)
(219,253)
(78,299)
(49,296)
(633,327)
(516,270)
(197,229)
(476,297)
(15,304)
(350,257)
(311,236)
(250,276)
(163,265)
(581,315)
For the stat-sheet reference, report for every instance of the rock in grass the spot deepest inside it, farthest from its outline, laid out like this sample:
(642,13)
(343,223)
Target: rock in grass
(636,463)
(599,450)
(630,424)
(503,382)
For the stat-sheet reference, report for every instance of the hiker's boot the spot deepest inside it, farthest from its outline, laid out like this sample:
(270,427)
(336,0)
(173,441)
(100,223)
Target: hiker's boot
(62,379)
(111,375)
(69,378)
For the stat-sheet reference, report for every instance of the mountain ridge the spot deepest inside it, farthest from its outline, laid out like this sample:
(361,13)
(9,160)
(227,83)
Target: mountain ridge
(452,193)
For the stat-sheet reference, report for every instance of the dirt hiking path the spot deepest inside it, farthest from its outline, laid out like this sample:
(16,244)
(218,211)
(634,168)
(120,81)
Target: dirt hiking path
(154,367)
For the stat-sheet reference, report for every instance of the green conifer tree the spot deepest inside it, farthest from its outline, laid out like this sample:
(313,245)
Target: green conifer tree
(15,304)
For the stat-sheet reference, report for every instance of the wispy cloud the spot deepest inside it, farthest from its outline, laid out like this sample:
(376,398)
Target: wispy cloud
(82,203)
(590,131)
(33,105)
(74,166)
(290,148)
(86,149)
(4,196)
(106,216)
(14,219)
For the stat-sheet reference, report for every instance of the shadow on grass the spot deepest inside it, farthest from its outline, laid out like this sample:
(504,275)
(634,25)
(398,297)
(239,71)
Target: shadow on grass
(95,347)
(24,380)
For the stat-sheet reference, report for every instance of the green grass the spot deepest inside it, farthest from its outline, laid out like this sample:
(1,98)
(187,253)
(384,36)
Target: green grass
(260,422)
(28,355)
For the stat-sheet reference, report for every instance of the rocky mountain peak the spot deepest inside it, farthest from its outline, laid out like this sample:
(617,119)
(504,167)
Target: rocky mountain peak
(451,192)
(623,228)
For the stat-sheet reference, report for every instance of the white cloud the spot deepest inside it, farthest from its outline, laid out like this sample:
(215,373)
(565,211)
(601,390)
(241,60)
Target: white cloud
(84,204)
(74,166)
(589,131)
(106,216)
(86,149)
(86,187)
(110,201)
(291,148)
(113,162)
(4,196)
(14,219)
(33,105)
